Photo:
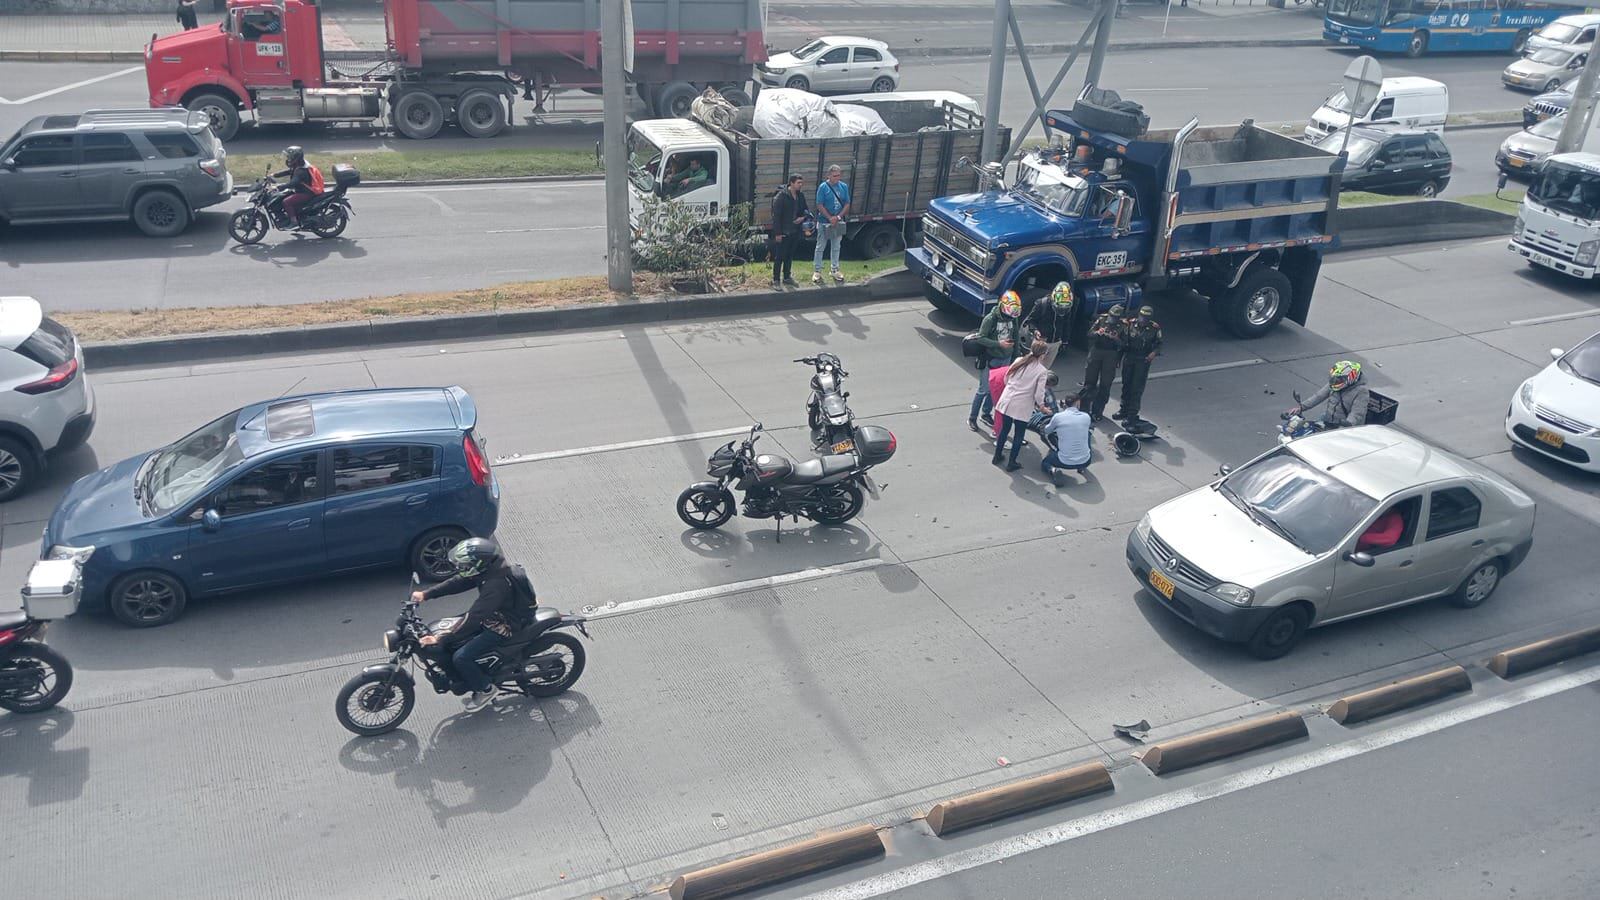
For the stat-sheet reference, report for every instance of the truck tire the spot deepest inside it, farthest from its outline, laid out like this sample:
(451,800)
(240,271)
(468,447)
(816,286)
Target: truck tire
(161,213)
(222,112)
(1258,304)
(675,99)
(878,241)
(481,114)
(943,303)
(418,115)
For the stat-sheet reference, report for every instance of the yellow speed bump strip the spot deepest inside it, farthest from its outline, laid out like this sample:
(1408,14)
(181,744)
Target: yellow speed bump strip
(1532,656)
(980,807)
(759,870)
(1240,737)
(1401,694)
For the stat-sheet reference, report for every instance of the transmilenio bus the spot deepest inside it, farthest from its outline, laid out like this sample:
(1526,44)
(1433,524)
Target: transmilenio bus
(1415,27)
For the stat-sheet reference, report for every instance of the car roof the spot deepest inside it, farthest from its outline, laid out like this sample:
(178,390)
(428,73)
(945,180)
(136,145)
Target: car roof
(1380,461)
(1580,20)
(160,119)
(1407,83)
(852,40)
(19,319)
(352,415)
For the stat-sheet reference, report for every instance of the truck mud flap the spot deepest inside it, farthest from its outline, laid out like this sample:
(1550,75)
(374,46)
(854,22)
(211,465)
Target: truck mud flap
(1301,265)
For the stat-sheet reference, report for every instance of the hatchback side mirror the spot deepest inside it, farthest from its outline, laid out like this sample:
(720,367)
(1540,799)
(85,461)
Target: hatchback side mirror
(1364,560)
(211,520)
(1557,353)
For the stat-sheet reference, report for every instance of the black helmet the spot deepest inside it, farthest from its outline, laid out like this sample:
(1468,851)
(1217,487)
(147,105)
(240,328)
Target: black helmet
(294,155)
(1125,444)
(474,556)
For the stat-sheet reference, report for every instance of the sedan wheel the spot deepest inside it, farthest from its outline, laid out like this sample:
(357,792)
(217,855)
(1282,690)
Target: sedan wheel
(1478,586)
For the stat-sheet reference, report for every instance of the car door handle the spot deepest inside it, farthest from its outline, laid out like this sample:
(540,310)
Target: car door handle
(299,524)
(66,174)
(131,171)
(416,499)
(1406,563)
(1478,542)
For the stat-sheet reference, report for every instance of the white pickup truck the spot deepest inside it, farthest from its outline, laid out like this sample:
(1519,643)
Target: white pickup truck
(1558,226)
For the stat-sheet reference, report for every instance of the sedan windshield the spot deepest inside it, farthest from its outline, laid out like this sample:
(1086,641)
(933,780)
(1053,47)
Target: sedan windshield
(1550,57)
(1310,507)
(1583,361)
(177,474)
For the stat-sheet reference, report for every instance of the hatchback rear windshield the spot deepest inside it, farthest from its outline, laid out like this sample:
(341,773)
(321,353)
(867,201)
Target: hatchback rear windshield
(50,345)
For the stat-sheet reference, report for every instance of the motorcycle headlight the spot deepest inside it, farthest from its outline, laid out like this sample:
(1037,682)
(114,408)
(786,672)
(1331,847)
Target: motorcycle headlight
(391,638)
(1516,229)
(1587,252)
(80,555)
(1525,394)
(1237,594)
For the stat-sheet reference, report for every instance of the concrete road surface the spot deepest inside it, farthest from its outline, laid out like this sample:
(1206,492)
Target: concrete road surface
(742,692)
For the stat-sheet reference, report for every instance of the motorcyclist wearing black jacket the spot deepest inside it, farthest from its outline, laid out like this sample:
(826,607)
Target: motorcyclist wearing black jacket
(300,190)
(504,605)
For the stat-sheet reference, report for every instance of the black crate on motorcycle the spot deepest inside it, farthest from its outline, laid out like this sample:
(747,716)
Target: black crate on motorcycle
(52,589)
(874,443)
(346,176)
(1381,409)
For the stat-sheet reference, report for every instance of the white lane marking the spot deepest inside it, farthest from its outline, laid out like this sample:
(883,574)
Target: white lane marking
(1559,317)
(531,230)
(737,587)
(67,87)
(1214,367)
(625,445)
(900,879)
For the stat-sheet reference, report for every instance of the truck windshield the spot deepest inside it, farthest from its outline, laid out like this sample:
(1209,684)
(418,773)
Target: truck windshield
(1059,194)
(1567,189)
(1354,12)
(644,161)
(1312,507)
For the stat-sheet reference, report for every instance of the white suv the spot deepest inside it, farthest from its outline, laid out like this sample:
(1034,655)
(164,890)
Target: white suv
(46,403)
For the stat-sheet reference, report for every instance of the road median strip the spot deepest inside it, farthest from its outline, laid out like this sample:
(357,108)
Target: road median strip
(1228,740)
(1517,660)
(758,870)
(982,807)
(1402,694)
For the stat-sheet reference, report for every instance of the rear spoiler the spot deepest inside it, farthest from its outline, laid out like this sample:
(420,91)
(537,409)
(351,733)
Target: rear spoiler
(462,407)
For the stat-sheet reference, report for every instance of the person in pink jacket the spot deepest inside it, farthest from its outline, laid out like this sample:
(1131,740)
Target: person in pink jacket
(997,386)
(1024,393)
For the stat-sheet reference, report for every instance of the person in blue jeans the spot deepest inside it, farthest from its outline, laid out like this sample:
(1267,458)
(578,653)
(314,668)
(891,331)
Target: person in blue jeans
(833,205)
(998,334)
(1070,430)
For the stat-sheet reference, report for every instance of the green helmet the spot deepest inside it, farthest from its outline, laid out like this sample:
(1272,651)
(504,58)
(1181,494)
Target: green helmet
(1061,296)
(1343,374)
(474,556)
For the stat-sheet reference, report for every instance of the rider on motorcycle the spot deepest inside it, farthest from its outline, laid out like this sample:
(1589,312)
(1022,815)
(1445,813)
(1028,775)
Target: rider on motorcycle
(300,189)
(505,604)
(1347,395)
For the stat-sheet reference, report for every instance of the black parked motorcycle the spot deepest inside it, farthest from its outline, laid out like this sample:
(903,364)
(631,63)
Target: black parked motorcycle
(325,215)
(33,676)
(532,661)
(828,489)
(827,414)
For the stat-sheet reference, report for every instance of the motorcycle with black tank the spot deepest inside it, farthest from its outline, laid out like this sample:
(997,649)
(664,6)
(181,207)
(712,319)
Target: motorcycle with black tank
(533,661)
(828,489)
(829,417)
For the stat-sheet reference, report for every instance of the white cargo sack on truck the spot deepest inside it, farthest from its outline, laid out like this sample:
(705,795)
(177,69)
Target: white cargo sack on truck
(855,120)
(783,113)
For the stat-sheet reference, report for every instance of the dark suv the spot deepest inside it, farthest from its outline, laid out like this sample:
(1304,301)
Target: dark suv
(154,166)
(1391,161)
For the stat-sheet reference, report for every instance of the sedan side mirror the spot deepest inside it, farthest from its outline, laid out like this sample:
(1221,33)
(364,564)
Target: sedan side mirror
(1224,470)
(211,520)
(1364,560)
(10,164)
(1557,353)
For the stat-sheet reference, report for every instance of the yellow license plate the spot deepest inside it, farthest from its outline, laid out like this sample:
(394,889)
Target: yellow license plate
(1516,162)
(1161,583)
(1550,437)
(844,446)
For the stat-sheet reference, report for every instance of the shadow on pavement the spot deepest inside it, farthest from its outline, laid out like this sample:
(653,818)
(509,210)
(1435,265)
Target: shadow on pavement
(299,250)
(27,750)
(111,241)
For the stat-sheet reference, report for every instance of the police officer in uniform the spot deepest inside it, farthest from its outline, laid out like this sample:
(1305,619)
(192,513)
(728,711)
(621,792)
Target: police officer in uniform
(1141,346)
(1106,337)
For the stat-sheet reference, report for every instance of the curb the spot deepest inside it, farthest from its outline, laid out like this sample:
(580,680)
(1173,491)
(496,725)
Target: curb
(1517,660)
(1402,694)
(1216,743)
(761,869)
(982,807)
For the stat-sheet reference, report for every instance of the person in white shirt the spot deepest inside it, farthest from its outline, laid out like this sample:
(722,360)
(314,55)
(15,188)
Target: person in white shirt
(1071,430)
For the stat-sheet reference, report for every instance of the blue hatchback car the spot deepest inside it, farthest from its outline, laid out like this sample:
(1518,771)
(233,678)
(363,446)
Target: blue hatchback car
(287,489)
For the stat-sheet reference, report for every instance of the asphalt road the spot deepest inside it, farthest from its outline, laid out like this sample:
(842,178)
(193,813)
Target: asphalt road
(754,692)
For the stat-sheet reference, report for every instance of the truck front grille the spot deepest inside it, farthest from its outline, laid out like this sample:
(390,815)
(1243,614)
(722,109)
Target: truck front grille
(955,246)
(1547,244)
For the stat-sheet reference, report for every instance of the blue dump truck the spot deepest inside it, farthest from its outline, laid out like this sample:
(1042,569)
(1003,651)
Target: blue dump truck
(1237,214)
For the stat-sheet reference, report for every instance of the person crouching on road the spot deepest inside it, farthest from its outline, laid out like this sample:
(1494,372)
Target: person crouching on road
(1071,428)
(998,336)
(1024,393)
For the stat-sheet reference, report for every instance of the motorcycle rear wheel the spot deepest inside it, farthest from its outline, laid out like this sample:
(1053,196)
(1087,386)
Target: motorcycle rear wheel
(54,682)
(572,658)
(841,505)
(248,226)
(330,223)
(701,508)
(368,706)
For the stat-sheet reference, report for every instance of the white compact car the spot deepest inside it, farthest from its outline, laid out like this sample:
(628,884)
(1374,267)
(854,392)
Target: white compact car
(832,65)
(1329,527)
(1557,412)
(46,403)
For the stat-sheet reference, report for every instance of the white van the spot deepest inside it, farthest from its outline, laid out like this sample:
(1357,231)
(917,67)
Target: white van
(1415,103)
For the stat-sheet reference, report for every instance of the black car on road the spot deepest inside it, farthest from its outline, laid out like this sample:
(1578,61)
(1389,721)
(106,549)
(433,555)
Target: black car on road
(1389,161)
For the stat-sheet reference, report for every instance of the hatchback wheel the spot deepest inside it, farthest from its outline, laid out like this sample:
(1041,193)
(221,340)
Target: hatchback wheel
(883,85)
(1478,586)
(18,469)
(430,554)
(148,599)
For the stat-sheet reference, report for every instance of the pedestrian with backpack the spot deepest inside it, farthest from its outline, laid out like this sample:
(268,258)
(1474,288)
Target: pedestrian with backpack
(833,204)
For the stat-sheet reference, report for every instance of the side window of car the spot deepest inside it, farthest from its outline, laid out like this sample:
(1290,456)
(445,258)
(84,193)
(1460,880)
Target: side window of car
(1386,534)
(109,148)
(45,150)
(172,146)
(1416,149)
(1436,144)
(1452,510)
(368,467)
(836,56)
(280,482)
(867,54)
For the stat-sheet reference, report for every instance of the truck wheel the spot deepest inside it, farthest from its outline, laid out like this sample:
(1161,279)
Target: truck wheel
(221,112)
(735,95)
(943,303)
(418,115)
(161,213)
(1418,45)
(1258,304)
(481,114)
(675,99)
(878,241)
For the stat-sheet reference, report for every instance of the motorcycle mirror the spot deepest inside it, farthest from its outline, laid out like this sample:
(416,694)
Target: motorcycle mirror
(1364,560)
(211,520)
(1296,395)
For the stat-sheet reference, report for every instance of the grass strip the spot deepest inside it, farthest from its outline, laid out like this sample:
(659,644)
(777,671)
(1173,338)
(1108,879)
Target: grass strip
(421,165)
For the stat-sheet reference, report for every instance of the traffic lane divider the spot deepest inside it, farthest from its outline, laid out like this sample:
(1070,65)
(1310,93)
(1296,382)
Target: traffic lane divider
(1228,740)
(1402,694)
(982,807)
(1517,660)
(759,870)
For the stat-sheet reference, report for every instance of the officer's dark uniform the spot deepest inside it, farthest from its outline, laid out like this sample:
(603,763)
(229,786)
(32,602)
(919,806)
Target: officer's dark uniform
(1105,345)
(1142,341)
